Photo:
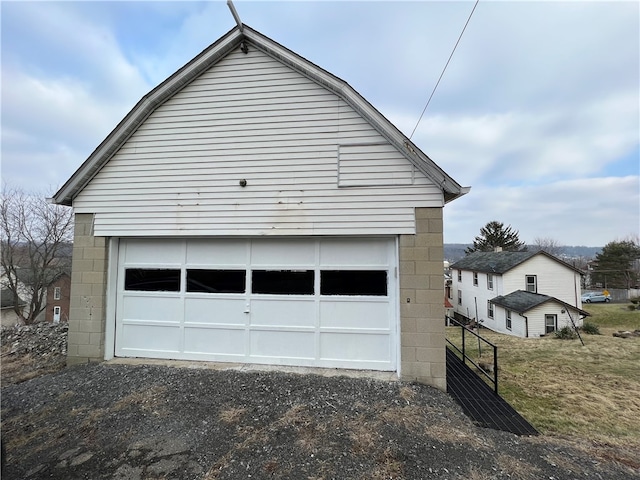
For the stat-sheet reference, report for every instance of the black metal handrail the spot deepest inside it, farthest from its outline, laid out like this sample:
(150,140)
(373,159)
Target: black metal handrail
(491,378)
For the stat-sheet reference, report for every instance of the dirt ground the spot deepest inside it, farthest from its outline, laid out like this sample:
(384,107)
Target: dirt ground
(114,421)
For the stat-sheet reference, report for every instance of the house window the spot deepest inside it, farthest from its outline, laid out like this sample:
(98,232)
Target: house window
(282,282)
(353,282)
(531,284)
(459,275)
(56,293)
(216,281)
(550,323)
(490,309)
(475,279)
(508,319)
(152,280)
(56,311)
(489,281)
(459,297)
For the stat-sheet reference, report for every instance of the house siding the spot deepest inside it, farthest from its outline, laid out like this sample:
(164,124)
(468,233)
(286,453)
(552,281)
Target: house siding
(304,152)
(64,283)
(536,318)
(553,279)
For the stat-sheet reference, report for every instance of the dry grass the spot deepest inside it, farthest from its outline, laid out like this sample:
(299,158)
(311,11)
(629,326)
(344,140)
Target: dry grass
(232,416)
(20,368)
(147,400)
(563,388)
(410,418)
(388,466)
(516,468)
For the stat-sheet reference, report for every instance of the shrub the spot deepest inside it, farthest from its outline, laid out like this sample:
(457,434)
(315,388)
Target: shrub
(566,333)
(635,300)
(632,307)
(590,328)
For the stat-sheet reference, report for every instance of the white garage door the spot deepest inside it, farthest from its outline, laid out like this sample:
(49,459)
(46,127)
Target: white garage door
(305,302)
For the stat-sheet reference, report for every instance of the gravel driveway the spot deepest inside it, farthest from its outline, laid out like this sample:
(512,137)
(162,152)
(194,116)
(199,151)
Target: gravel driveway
(161,422)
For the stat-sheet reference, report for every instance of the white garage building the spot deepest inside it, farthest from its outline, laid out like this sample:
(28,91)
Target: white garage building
(254,208)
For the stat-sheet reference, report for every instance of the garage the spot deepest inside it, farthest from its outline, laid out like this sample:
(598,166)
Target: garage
(328,302)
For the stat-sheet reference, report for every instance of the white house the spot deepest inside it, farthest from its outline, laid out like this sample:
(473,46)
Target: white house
(254,208)
(527,294)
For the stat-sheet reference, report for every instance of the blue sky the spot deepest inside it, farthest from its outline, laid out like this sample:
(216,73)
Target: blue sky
(538,111)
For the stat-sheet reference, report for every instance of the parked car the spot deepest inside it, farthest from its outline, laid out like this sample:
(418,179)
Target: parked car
(593,297)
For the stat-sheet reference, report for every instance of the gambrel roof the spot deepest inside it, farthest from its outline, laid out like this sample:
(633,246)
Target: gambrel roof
(249,38)
(501,262)
(521,301)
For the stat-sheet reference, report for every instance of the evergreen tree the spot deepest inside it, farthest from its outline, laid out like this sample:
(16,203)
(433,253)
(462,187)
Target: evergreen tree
(495,234)
(617,265)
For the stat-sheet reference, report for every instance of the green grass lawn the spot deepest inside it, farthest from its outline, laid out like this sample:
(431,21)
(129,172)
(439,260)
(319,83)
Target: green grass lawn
(566,389)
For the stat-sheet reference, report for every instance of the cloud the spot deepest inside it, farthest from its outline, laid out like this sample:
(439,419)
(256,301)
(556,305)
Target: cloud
(57,107)
(539,97)
(607,208)
(521,146)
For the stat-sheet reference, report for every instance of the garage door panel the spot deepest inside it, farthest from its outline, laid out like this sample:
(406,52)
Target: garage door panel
(286,313)
(154,252)
(282,344)
(354,314)
(218,340)
(219,252)
(365,252)
(152,307)
(283,253)
(149,338)
(215,311)
(350,347)
(307,301)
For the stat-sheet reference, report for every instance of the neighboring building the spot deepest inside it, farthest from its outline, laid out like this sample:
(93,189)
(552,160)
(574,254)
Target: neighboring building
(527,294)
(58,296)
(254,208)
(7,301)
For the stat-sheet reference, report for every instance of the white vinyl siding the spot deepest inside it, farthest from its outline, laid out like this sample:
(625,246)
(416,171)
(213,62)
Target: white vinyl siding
(552,278)
(355,164)
(251,118)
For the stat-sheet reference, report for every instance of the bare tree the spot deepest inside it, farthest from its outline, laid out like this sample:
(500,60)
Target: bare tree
(548,245)
(36,237)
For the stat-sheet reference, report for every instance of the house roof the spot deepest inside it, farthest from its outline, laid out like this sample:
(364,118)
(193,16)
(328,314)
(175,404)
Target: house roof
(48,276)
(501,262)
(7,299)
(234,39)
(521,301)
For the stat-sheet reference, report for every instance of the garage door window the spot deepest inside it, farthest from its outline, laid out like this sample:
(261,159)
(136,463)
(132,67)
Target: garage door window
(152,280)
(282,282)
(353,282)
(216,281)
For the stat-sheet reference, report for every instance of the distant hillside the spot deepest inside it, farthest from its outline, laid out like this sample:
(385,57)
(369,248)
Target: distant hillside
(455,251)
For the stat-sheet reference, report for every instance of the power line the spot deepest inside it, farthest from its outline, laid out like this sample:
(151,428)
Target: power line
(444,69)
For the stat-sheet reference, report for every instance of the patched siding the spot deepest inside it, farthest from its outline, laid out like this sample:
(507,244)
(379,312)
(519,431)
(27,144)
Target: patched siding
(251,118)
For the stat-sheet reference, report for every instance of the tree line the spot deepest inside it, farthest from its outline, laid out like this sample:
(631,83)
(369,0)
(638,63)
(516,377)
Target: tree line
(617,265)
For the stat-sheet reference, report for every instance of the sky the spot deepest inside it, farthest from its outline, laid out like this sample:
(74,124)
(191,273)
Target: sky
(538,110)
